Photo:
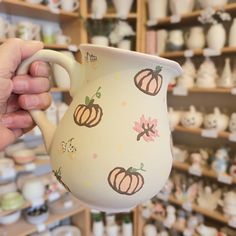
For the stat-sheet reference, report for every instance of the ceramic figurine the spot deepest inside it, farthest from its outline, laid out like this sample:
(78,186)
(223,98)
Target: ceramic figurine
(171,217)
(174,117)
(192,118)
(216,120)
(207,74)
(181,219)
(226,79)
(98,9)
(232,123)
(175,40)
(167,189)
(179,154)
(229,204)
(189,68)
(221,161)
(219,30)
(149,230)
(181,7)
(80,158)
(159,209)
(204,230)
(192,222)
(195,38)
(206,193)
(212,3)
(196,159)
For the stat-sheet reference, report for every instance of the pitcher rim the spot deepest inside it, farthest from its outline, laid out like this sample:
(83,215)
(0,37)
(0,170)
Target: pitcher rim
(169,63)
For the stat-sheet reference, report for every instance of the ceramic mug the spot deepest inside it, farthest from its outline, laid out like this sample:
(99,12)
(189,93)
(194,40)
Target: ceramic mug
(27,30)
(69,5)
(112,148)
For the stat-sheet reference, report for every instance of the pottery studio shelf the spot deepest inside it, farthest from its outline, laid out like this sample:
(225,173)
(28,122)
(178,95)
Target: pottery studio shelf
(198,52)
(22,8)
(214,215)
(59,90)
(22,228)
(201,132)
(205,172)
(185,19)
(208,90)
(112,15)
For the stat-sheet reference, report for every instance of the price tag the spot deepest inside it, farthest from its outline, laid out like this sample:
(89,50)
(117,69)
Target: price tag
(188,53)
(163,197)
(180,91)
(195,171)
(68,204)
(209,133)
(152,23)
(187,206)
(41,228)
(37,202)
(233,91)
(30,167)
(73,48)
(232,223)
(8,173)
(175,19)
(209,52)
(224,178)
(232,137)
(53,196)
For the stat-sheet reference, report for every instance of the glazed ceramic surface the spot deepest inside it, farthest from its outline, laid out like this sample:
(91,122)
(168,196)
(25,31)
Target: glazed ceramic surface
(114,141)
(192,118)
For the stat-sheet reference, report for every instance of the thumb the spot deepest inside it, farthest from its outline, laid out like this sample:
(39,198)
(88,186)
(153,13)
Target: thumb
(12,52)
(5,92)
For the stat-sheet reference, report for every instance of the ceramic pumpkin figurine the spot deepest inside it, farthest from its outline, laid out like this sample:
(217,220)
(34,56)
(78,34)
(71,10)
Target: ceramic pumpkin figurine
(126,181)
(149,81)
(89,114)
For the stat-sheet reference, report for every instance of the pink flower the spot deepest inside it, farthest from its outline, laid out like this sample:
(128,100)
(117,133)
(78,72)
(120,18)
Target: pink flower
(146,129)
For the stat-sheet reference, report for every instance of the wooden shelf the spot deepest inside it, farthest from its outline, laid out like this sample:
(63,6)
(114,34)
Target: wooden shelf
(22,8)
(207,90)
(187,19)
(197,52)
(205,172)
(57,90)
(210,214)
(22,228)
(114,16)
(56,47)
(198,131)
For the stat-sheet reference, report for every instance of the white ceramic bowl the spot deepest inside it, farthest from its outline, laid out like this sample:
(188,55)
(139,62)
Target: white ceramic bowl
(7,188)
(66,230)
(37,215)
(11,218)
(23,156)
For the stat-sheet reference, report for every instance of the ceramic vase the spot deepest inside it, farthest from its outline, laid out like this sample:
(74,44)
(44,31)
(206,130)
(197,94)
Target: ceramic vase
(127,229)
(98,228)
(179,7)
(123,7)
(100,40)
(216,31)
(98,9)
(226,79)
(157,9)
(196,38)
(232,34)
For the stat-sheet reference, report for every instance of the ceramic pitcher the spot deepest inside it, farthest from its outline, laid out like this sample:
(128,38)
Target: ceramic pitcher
(112,147)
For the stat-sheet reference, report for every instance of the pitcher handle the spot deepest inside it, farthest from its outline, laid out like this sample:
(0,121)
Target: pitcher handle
(73,69)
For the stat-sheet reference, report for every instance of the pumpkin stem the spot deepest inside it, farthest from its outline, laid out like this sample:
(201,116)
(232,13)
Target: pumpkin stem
(131,169)
(89,101)
(157,70)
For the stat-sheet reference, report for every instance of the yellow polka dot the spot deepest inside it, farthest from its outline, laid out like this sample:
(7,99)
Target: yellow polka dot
(117,77)
(120,148)
(87,184)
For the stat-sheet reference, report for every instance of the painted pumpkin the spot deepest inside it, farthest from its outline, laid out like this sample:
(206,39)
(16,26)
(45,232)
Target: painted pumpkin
(149,81)
(126,182)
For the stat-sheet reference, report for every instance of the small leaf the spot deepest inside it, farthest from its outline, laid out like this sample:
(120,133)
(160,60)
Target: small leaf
(98,94)
(87,101)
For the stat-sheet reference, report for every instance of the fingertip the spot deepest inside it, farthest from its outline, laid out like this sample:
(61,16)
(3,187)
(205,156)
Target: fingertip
(40,69)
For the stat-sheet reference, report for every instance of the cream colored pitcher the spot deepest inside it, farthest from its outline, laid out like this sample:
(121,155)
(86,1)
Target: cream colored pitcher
(112,147)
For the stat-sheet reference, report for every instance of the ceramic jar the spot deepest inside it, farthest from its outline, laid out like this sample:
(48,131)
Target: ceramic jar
(212,3)
(196,38)
(216,31)
(33,189)
(232,123)
(216,120)
(232,34)
(221,161)
(192,118)
(11,201)
(179,7)
(98,8)
(150,230)
(175,40)
(174,117)
(123,7)
(226,79)
(157,9)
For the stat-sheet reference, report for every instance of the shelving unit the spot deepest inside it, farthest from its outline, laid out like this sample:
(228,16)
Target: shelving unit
(208,90)
(22,228)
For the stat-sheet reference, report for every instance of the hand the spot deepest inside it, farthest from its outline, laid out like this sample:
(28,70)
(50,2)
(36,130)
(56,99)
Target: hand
(20,93)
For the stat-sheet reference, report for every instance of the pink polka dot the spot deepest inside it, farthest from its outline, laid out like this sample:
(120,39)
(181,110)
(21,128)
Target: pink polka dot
(95,155)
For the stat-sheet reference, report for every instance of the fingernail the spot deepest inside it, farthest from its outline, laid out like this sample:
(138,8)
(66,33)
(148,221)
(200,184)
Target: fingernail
(6,120)
(41,69)
(20,86)
(32,102)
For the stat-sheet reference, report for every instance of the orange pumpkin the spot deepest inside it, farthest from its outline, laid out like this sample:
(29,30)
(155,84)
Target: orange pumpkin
(88,115)
(149,81)
(126,182)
